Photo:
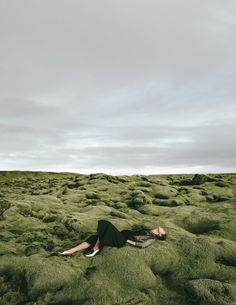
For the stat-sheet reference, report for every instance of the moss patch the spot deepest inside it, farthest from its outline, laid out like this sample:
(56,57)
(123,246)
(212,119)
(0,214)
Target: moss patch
(43,213)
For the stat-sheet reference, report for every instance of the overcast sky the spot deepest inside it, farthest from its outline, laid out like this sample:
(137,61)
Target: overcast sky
(120,87)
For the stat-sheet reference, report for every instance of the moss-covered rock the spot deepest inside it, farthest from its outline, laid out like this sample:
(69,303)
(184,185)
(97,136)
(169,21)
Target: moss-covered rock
(161,195)
(149,210)
(49,217)
(4,205)
(222,184)
(93,195)
(24,208)
(168,202)
(197,179)
(208,291)
(145,184)
(119,214)
(60,231)
(201,179)
(138,199)
(32,249)
(201,225)
(120,205)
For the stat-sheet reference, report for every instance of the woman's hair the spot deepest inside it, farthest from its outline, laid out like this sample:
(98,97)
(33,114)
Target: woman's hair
(162,237)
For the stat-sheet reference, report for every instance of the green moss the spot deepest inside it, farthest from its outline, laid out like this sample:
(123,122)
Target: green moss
(119,214)
(60,231)
(4,205)
(120,205)
(201,225)
(135,274)
(92,195)
(207,291)
(168,202)
(150,210)
(43,213)
(138,199)
(32,249)
(145,184)
(222,184)
(161,195)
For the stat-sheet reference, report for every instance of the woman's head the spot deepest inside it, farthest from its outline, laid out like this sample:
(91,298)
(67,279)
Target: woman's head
(160,233)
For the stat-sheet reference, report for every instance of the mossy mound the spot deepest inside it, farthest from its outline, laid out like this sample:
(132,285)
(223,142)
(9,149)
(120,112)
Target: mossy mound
(200,225)
(119,214)
(197,179)
(4,205)
(138,199)
(207,291)
(168,202)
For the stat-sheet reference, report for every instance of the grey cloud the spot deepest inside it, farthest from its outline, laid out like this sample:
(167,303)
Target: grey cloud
(23,108)
(118,86)
(132,153)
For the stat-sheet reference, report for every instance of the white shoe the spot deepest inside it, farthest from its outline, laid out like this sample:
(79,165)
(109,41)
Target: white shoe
(92,253)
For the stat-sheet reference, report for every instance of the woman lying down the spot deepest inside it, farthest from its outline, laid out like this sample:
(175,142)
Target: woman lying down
(108,235)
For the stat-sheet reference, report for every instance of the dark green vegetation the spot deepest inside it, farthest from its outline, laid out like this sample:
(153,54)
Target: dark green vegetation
(43,213)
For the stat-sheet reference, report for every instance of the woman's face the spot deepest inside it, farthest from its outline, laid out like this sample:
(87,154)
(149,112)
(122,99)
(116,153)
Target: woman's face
(159,231)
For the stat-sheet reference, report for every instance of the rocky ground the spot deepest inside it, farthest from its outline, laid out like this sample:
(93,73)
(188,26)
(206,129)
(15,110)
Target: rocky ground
(43,213)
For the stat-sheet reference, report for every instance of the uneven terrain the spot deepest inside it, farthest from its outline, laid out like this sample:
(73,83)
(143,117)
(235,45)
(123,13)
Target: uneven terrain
(43,213)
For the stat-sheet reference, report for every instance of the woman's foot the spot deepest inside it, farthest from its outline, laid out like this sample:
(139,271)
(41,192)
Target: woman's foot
(93,252)
(65,253)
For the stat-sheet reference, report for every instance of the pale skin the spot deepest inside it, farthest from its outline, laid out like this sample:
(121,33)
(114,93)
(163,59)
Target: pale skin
(84,245)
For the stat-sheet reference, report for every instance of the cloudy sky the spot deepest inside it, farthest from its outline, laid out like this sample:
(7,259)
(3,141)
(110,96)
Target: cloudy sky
(118,86)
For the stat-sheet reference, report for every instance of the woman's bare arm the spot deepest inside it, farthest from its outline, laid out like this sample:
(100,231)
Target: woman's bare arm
(131,242)
(144,244)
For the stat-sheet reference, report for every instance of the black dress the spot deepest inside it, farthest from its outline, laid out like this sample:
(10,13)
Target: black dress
(109,235)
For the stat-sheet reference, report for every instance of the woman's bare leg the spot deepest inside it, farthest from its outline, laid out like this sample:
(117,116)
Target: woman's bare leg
(96,246)
(95,249)
(82,246)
